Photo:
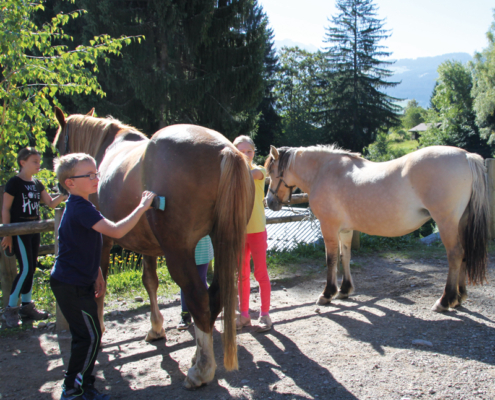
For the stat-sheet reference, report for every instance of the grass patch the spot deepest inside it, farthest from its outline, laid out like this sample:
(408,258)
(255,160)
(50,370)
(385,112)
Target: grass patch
(407,146)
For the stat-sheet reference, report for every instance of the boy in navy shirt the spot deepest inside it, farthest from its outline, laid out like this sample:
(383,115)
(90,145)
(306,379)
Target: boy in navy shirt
(76,278)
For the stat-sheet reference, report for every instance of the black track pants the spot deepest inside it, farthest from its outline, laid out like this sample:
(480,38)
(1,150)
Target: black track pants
(26,248)
(80,310)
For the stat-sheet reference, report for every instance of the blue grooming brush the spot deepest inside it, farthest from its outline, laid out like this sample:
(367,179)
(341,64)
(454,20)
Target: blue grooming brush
(158,203)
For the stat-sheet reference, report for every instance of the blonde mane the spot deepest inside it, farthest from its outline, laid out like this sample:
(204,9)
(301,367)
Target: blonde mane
(287,155)
(87,134)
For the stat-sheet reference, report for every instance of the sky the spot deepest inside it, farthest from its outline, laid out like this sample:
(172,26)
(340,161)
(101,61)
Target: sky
(419,28)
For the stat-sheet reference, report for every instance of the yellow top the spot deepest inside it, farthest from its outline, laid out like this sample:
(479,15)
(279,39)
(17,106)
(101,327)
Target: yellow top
(257,222)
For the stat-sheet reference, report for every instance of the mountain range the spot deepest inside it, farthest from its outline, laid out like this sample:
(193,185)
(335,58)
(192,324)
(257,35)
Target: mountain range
(416,76)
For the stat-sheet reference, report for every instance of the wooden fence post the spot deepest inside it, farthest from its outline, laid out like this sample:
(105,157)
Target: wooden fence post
(62,324)
(8,266)
(490,166)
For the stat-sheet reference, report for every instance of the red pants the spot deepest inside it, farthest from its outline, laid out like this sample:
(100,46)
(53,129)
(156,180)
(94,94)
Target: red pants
(256,246)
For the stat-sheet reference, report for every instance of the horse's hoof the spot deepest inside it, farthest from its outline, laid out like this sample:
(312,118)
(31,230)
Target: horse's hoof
(189,384)
(322,300)
(152,335)
(341,295)
(195,378)
(437,307)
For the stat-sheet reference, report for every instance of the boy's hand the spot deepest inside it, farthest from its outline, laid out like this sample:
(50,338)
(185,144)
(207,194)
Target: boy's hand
(99,285)
(147,199)
(7,243)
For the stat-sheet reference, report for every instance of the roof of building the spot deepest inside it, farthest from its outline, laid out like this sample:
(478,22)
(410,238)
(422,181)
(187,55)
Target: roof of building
(423,127)
(286,236)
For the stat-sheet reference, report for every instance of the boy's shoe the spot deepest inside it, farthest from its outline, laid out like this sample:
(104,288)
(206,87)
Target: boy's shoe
(242,321)
(75,394)
(264,324)
(91,390)
(29,311)
(11,317)
(185,321)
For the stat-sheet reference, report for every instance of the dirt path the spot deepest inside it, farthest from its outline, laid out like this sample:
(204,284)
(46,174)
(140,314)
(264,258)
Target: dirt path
(360,348)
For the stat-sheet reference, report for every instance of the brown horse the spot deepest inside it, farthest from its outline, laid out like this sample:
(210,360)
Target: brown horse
(208,190)
(347,192)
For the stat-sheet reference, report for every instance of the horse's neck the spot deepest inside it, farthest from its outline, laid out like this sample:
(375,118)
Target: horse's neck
(304,169)
(307,166)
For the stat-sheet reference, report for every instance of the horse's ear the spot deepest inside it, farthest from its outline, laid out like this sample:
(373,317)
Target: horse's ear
(274,152)
(91,112)
(59,114)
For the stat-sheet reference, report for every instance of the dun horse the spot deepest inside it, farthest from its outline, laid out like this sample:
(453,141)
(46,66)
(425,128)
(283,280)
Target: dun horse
(347,192)
(208,190)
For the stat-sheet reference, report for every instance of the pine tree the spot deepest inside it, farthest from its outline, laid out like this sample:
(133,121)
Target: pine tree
(269,123)
(356,108)
(202,62)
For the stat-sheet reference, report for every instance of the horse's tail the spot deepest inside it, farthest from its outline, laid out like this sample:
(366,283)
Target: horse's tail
(232,212)
(477,229)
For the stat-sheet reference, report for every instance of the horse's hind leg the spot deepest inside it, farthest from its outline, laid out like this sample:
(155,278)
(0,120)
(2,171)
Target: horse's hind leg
(150,281)
(330,236)
(455,253)
(104,262)
(347,287)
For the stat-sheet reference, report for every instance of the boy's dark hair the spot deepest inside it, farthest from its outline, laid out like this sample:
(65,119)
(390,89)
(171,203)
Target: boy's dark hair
(25,153)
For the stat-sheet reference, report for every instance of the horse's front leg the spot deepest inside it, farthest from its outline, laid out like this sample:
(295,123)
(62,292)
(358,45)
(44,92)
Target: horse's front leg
(330,236)
(104,263)
(347,287)
(150,281)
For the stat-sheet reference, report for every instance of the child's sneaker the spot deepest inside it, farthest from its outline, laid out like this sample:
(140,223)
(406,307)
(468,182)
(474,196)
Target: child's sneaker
(91,390)
(29,311)
(75,394)
(264,324)
(11,317)
(185,321)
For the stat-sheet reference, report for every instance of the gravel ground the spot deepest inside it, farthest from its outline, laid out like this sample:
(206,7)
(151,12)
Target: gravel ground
(382,343)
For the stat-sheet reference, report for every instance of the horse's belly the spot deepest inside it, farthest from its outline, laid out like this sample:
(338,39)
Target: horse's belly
(395,225)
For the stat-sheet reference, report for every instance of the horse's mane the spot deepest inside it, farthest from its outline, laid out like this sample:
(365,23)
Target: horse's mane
(287,155)
(91,132)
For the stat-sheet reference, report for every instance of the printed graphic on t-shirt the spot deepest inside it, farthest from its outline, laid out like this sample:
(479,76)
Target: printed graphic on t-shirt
(27,197)
(31,200)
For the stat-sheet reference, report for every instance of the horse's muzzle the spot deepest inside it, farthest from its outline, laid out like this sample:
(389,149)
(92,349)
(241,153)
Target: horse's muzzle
(273,203)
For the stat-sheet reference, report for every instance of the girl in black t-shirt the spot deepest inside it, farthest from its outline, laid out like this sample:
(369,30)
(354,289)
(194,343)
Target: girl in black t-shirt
(21,202)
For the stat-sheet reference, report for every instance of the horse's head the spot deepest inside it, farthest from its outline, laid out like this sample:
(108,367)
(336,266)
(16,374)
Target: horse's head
(281,185)
(61,142)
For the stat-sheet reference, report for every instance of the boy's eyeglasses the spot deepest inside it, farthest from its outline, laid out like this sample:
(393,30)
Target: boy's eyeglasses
(90,176)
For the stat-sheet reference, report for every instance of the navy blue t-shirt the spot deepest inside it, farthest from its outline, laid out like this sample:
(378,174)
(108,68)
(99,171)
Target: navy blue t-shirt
(79,247)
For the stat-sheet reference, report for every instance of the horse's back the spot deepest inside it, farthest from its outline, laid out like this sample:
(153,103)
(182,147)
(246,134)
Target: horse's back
(186,134)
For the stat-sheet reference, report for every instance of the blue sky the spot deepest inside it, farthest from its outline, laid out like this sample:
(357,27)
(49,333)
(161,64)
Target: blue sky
(420,28)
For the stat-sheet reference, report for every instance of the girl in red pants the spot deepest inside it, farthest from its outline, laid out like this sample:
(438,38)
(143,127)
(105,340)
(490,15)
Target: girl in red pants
(255,246)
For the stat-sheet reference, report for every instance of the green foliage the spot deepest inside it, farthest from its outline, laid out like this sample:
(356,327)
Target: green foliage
(413,115)
(452,119)
(355,108)
(299,95)
(381,149)
(483,69)
(36,70)
(203,63)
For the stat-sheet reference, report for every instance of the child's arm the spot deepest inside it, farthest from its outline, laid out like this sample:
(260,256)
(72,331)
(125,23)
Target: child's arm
(118,229)
(7,205)
(257,174)
(52,202)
